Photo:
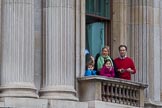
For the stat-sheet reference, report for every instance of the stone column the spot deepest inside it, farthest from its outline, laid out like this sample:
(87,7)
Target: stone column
(17,71)
(80,37)
(161,46)
(145,45)
(120,20)
(59,46)
(140,33)
(154,42)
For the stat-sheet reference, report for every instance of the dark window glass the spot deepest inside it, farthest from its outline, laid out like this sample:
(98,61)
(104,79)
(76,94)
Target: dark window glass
(98,8)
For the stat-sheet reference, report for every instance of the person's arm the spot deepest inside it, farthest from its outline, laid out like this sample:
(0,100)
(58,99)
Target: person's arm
(122,70)
(87,73)
(132,69)
(115,69)
(93,60)
(99,63)
(112,72)
(109,74)
(94,72)
(102,71)
(106,72)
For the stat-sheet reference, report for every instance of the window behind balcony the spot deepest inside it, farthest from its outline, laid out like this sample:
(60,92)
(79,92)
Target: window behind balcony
(97,25)
(98,8)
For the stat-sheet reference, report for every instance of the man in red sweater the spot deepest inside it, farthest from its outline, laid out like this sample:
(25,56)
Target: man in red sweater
(125,65)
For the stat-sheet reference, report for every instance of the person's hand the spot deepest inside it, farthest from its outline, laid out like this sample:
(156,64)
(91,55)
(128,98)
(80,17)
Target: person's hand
(111,68)
(121,70)
(129,70)
(92,58)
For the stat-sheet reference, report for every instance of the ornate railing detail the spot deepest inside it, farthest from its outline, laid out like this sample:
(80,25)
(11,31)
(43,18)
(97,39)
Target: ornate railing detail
(111,90)
(120,93)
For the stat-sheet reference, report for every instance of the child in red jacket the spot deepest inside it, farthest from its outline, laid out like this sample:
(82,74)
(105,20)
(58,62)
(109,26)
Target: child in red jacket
(107,69)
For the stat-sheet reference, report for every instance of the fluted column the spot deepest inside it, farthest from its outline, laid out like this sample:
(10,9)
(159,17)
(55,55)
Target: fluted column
(120,20)
(140,26)
(17,72)
(59,57)
(145,45)
(154,43)
(139,32)
(161,46)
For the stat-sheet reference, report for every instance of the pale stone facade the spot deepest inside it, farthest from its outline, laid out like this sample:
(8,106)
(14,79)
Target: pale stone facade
(42,50)
(137,23)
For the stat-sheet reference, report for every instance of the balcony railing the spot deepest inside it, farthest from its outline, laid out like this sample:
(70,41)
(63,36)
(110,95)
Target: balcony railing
(111,90)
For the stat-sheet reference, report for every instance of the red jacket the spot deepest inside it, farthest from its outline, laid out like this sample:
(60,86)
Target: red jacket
(125,64)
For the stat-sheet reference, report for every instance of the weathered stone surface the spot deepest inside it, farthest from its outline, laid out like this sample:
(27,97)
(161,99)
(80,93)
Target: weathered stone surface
(59,50)
(17,69)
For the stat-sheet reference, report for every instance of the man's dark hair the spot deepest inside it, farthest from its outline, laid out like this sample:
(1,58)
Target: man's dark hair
(122,46)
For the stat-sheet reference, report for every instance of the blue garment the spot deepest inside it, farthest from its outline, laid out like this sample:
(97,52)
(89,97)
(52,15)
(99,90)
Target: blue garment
(89,72)
(86,52)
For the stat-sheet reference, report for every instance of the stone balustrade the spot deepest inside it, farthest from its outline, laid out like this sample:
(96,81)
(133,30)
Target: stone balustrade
(111,90)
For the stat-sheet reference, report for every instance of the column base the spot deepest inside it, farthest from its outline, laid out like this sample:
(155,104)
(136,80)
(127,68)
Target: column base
(152,104)
(22,90)
(58,93)
(12,102)
(40,103)
(67,104)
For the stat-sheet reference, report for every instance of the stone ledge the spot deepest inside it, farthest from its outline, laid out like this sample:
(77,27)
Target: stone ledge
(101,104)
(103,78)
(25,103)
(40,103)
(67,104)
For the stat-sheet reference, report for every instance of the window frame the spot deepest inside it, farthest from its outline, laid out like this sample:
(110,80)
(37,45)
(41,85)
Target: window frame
(107,22)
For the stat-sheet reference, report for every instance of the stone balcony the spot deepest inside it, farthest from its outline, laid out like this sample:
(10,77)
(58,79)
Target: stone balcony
(111,91)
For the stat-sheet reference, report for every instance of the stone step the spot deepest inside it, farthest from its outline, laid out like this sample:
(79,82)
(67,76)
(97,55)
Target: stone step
(2,105)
